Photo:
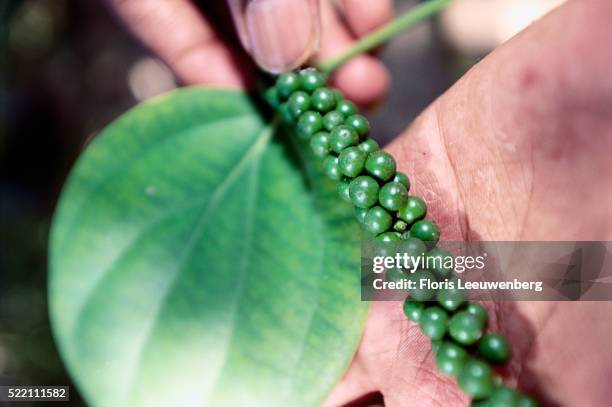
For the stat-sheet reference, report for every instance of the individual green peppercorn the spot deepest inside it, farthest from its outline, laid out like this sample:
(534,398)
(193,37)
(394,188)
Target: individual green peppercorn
(331,168)
(319,144)
(377,220)
(388,237)
(504,397)
(272,97)
(381,165)
(285,114)
(332,119)
(412,247)
(364,191)
(393,275)
(465,328)
(402,179)
(311,79)
(299,102)
(495,348)
(346,107)
(400,226)
(369,146)
(450,358)
(478,311)
(526,401)
(352,161)
(343,189)
(413,309)
(360,213)
(425,230)
(393,196)
(359,123)
(414,210)
(308,124)
(476,379)
(440,261)
(451,298)
(433,322)
(421,290)
(342,137)
(323,100)
(286,84)
(337,94)
(480,403)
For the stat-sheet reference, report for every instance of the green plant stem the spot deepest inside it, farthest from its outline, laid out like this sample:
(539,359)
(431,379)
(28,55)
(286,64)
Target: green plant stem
(385,33)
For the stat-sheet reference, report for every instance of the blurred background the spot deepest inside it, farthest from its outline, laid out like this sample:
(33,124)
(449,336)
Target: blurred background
(68,68)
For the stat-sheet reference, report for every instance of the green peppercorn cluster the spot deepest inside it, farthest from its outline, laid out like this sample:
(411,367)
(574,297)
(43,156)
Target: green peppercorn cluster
(368,178)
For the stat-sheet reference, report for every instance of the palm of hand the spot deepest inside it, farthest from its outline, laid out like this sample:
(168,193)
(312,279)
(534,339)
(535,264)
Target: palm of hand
(519,149)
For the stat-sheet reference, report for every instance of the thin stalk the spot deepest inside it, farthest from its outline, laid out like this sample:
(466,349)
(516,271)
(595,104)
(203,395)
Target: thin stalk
(386,32)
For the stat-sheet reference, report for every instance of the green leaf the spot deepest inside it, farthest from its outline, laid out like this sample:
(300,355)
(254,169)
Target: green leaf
(199,259)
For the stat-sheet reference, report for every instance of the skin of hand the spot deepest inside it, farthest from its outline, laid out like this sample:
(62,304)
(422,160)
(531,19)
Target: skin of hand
(186,40)
(519,149)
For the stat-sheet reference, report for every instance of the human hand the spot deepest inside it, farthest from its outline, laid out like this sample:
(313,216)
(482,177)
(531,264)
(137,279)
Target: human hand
(519,149)
(199,54)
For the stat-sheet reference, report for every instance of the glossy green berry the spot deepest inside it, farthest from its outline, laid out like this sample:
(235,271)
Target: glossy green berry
(369,146)
(377,220)
(381,165)
(413,247)
(299,103)
(451,298)
(323,100)
(343,189)
(332,119)
(504,397)
(465,328)
(331,168)
(526,401)
(478,311)
(393,196)
(360,213)
(359,123)
(495,348)
(346,107)
(352,161)
(450,358)
(364,191)
(388,237)
(311,79)
(286,84)
(337,94)
(272,97)
(285,114)
(342,137)
(402,179)
(400,226)
(440,261)
(319,144)
(413,309)
(308,124)
(433,322)
(425,230)
(476,379)
(414,210)
(421,290)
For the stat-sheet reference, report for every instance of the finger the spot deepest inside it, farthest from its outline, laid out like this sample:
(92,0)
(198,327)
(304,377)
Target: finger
(363,79)
(363,16)
(182,37)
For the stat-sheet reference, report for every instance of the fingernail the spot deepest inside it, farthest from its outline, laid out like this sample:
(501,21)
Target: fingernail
(279,34)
